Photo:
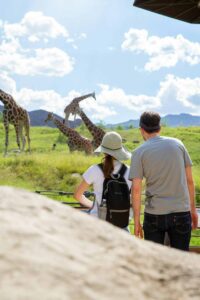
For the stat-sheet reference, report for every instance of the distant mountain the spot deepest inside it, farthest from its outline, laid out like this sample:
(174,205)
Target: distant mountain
(181,120)
(184,120)
(37,118)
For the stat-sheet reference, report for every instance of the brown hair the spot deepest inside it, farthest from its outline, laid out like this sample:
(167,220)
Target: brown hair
(108,165)
(150,121)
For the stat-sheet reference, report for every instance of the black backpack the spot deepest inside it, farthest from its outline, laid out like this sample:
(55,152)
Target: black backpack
(116,198)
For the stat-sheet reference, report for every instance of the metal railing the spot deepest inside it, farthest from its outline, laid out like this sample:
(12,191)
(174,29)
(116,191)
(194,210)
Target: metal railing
(78,205)
(74,204)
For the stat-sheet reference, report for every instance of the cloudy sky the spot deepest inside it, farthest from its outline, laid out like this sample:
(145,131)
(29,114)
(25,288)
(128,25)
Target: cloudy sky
(52,51)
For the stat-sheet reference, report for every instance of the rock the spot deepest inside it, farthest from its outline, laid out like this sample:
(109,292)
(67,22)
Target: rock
(52,252)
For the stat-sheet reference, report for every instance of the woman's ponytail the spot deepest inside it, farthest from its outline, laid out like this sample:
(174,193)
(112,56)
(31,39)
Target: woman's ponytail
(108,165)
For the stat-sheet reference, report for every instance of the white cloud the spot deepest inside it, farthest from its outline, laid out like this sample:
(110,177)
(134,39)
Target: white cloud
(15,59)
(83,35)
(33,39)
(36,24)
(96,110)
(117,96)
(7,84)
(175,95)
(47,99)
(162,52)
(46,61)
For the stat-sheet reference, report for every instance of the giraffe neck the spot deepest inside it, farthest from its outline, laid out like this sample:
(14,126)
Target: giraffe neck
(7,100)
(78,99)
(90,126)
(64,129)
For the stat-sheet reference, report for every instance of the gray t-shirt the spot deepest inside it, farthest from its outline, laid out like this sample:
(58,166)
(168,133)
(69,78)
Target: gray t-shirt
(162,161)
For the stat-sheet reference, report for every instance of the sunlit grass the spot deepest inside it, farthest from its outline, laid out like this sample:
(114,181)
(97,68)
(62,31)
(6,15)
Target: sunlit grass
(45,168)
(60,170)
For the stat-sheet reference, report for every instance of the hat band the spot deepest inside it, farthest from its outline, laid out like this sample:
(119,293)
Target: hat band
(145,127)
(112,149)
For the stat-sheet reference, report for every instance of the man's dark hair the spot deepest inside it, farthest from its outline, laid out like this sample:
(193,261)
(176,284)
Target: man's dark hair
(150,121)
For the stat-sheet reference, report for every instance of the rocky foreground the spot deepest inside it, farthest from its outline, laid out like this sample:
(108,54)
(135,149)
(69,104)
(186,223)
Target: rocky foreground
(51,251)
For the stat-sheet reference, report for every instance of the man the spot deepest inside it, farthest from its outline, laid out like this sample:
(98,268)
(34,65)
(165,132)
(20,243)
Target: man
(170,195)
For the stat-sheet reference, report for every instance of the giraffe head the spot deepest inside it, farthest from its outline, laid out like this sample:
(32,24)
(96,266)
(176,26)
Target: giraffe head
(49,117)
(73,107)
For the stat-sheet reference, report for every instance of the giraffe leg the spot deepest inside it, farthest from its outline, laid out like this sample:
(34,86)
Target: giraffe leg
(27,130)
(6,126)
(17,135)
(71,146)
(21,137)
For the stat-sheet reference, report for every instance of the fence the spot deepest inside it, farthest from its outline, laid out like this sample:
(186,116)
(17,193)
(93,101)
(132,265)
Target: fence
(91,195)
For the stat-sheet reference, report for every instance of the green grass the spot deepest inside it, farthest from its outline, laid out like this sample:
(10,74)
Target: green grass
(47,169)
(60,169)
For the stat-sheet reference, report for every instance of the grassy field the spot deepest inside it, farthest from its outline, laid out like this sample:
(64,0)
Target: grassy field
(45,169)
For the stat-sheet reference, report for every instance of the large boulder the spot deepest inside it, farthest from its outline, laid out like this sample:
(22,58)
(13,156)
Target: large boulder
(51,251)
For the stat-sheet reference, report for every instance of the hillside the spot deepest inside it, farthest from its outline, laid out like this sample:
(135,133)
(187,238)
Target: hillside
(183,120)
(45,168)
(37,118)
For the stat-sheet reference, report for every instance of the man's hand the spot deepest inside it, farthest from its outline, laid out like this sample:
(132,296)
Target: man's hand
(194,216)
(138,231)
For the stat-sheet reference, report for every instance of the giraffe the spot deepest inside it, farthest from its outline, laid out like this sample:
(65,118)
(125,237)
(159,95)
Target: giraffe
(75,140)
(18,116)
(74,108)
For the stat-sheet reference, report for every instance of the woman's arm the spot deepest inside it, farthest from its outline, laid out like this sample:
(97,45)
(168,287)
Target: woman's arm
(78,195)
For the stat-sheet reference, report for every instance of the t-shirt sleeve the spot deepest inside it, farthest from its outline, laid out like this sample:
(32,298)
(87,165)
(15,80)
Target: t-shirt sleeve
(90,174)
(136,168)
(186,156)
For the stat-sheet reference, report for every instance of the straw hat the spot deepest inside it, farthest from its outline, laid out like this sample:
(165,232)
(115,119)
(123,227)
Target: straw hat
(112,145)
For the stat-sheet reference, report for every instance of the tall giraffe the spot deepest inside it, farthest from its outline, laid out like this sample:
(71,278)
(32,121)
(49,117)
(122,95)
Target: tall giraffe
(74,108)
(75,140)
(19,117)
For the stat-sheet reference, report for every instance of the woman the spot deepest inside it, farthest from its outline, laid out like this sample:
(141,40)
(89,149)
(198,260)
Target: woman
(114,153)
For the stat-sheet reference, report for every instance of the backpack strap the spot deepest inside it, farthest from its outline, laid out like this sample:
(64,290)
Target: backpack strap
(122,170)
(104,182)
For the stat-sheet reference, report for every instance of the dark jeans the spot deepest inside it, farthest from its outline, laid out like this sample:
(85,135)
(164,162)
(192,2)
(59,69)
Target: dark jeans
(177,225)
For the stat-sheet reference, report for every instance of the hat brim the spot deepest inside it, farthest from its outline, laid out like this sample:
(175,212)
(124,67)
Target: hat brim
(120,154)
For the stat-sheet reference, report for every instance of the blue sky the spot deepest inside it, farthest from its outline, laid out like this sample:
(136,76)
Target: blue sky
(52,51)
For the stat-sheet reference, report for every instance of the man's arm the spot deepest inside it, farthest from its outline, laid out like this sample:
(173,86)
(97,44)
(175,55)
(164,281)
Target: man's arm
(191,188)
(136,204)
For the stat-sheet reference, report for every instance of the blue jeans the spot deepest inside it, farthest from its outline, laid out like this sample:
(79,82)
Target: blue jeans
(177,225)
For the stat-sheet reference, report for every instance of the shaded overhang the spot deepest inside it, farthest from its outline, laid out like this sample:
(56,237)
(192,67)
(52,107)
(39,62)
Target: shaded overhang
(188,11)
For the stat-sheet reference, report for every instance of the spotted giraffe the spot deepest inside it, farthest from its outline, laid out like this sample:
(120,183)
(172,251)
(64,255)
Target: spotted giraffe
(74,108)
(17,116)
(75,140)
